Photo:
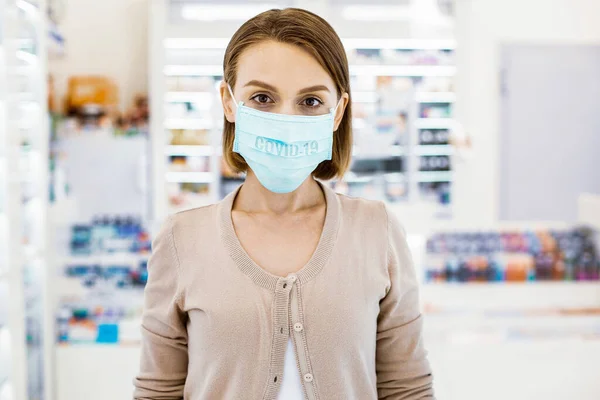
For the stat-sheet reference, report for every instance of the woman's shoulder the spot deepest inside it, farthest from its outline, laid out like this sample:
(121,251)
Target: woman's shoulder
(194,222)
(370,213)
(363,211)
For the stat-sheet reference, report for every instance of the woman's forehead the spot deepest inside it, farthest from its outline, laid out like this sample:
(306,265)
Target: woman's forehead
(282,65)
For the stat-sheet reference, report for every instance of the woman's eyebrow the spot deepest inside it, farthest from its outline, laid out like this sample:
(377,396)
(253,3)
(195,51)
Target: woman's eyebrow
(316,88)
(262,84)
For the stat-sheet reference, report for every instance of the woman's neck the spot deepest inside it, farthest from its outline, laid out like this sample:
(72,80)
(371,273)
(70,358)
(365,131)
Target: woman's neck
(253,197)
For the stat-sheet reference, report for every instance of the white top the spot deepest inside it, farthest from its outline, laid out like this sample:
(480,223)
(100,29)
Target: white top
(291,387)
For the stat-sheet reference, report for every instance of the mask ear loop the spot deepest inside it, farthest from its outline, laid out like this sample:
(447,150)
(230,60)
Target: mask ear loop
(334,110)
(232,96)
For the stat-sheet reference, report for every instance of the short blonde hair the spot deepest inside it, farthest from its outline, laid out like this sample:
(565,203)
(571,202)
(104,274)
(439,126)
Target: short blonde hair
(313,34)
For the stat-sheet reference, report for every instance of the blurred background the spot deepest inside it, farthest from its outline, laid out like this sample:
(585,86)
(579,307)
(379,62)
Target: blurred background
(476,120)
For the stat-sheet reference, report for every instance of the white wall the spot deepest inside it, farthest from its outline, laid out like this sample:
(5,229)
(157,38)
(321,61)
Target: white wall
(482,25)
(105,37)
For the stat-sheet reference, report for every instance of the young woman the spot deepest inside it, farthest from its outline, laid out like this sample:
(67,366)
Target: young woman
(285,289)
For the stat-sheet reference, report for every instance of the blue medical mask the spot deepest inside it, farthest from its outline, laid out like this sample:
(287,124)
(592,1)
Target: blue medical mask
(282,150)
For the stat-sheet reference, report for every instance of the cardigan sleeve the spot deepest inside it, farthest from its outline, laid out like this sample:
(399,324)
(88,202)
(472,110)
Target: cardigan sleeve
(164,356)
(403,371)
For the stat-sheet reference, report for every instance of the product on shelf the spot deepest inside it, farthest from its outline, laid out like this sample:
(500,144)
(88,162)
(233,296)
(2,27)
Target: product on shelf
(400,57)
(110,235)
(86,90)
(194,107)
(435,110)
(135,121)
(395,189)
(189,164)
(91,106)
(99,320)
(120,273)
(436,84)
(389,187)
(438,192)
(434,163)
(189,137)
(433,136)
(513,256)
(109,260)
(191,83)
(392,124)
(187,194)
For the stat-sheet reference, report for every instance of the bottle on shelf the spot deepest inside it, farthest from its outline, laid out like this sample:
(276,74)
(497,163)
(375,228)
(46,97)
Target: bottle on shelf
(513,256)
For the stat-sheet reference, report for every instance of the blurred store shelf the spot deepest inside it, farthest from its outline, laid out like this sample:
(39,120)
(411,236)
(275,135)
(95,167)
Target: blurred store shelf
(193,70)
(191,97)
(364,96)
(190,177)
(394,177)
(392,151)
(436,97)
(403,44)
(510,295)
(403,70)
(435,123)
(434,176)
(4,355)
(355,43)
(376,69)
(188,123)
(197,201)
(105,259)
(433,150)
(193,151)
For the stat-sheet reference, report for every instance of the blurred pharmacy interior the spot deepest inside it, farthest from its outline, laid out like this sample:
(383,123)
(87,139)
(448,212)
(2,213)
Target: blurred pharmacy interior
(475,120)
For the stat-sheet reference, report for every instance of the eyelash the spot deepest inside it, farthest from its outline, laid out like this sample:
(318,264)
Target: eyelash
(320,103)
(253,98)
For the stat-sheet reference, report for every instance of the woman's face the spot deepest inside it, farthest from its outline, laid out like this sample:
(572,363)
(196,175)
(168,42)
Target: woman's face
(284,79)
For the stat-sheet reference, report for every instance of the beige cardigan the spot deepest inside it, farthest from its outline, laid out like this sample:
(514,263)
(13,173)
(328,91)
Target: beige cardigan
(216,325)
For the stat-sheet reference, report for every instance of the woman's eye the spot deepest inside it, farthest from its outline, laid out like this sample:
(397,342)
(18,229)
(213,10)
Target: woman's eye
(262,99)
(312,102)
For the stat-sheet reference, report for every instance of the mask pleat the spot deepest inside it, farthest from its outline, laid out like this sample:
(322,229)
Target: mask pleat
(289,130)
(284,163)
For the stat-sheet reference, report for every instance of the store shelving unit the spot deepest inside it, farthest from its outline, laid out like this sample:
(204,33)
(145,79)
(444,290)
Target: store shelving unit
(436,97)
(511,296)
(395,79)
(25,317)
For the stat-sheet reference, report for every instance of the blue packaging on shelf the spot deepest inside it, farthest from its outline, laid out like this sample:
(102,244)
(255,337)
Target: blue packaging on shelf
(81,239)
(108,333)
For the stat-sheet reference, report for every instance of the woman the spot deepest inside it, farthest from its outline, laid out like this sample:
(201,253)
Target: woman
(284,290)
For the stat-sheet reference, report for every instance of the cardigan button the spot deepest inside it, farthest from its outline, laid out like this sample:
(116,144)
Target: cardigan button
(308,377)
(298,327)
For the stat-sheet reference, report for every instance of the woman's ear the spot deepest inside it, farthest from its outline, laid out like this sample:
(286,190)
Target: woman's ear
(228,102)
(341,109)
